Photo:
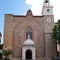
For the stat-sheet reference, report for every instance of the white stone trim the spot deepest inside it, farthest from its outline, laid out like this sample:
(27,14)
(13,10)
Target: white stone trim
(25,48)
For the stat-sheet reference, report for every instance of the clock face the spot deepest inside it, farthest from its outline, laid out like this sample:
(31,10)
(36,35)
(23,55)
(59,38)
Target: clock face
(48,19)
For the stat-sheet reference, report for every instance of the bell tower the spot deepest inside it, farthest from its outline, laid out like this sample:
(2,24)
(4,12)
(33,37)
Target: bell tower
(47,12)
(47,8)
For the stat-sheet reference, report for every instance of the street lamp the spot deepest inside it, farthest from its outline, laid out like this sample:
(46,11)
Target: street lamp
(0,37)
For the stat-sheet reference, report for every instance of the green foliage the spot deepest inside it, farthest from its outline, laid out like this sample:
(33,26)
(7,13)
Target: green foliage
(7,53)
(6,58)
(56,32)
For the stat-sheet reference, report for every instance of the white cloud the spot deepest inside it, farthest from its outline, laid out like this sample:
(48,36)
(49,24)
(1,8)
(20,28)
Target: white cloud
(56,9)
(36,7)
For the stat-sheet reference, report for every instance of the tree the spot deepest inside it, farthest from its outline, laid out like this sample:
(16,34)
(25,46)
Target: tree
(56,32)
(7,53)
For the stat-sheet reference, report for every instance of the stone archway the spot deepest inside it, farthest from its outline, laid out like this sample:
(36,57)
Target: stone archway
(28,54)
(28,50)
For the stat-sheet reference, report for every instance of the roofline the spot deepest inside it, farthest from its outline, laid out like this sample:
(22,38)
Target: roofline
(25,16)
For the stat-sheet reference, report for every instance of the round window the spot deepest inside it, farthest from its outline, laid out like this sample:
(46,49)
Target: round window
(48,19)
(48,10)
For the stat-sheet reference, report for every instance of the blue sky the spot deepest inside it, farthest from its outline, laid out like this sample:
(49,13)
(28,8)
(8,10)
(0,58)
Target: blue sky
(20,7)
(17,7)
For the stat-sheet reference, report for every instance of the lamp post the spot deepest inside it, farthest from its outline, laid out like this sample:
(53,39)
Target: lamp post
(0,37)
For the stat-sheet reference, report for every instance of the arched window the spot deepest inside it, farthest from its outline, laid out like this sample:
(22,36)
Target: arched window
(29,32)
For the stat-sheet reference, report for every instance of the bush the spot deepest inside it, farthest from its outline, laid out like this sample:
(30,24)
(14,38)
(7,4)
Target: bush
(6,59)
(7,53)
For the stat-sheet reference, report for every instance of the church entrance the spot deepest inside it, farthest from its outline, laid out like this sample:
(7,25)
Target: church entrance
(28,54)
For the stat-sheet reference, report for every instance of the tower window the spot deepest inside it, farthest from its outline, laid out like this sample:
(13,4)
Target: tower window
(48,10)
(46,1)
(29,32)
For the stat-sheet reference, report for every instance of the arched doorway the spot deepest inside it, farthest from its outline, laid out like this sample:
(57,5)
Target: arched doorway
(28,54)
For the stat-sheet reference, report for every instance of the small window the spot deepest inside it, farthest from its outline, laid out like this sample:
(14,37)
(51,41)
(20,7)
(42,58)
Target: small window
(29,32)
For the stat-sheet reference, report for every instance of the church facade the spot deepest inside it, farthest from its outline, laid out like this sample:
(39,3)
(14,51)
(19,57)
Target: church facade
(30,37)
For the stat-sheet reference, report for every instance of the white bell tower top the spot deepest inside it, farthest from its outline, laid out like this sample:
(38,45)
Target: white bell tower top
(46,2)
(47,8)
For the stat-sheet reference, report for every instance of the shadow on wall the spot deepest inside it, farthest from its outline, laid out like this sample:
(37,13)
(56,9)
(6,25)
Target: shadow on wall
(1,49)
